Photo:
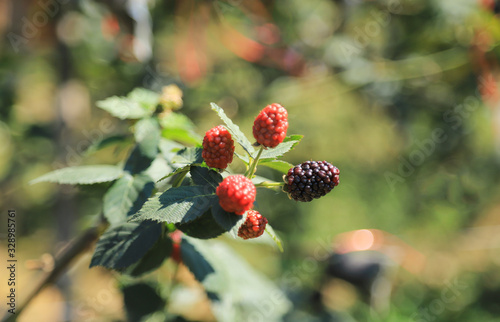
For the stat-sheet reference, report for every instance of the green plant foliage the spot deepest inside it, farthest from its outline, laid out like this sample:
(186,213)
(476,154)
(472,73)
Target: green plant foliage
(137,242)
(203,227)
(126,196)
(123,245)
(179,127)
(139,103)
(279,165)
(177,205)
(141,299)
(147,135)
(114,140)
(153,259)
(227,220)
(234,129)
(288,144)
(270,231)
(231,283)
(270,154)
(188,156)
(146,98)
(82,175)
(205,177)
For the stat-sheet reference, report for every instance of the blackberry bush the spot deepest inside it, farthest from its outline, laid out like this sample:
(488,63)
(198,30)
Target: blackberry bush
(174,191)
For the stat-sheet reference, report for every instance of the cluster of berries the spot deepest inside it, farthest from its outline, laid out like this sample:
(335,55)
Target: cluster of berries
(236,193)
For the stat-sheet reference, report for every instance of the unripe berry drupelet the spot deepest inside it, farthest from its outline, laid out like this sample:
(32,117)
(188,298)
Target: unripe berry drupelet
(254,225)
(269,127)
(236,194)
(218,147)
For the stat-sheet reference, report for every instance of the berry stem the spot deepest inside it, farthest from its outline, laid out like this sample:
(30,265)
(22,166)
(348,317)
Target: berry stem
(271,233)
(267,184)
(177,180)
(253,165)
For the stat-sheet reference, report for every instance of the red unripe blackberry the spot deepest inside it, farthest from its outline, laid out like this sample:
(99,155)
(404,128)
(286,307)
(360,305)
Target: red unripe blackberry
(310,180)
(176,237)
(236,194)
(254,225)
(269,127)
(218,147)
(176,253)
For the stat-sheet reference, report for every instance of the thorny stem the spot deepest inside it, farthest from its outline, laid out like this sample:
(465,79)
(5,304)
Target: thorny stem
(253,165)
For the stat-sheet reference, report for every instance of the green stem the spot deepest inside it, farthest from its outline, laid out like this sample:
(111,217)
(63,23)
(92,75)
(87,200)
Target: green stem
(177,180)
(251,170)
(267,184)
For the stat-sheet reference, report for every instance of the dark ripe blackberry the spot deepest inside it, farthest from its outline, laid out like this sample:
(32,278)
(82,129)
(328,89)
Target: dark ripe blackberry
(311,180)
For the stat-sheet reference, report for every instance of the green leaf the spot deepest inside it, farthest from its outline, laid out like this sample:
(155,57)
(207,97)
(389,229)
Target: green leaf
(203,227)
(88,174)
(140,300)
(123,245)
(138,104)
(280,165)
(223,272)
(153,259)
(270,232)
(260,179)
(227,220)
(195,261)
(147,136)
(176,121)
(158,168)
(137,161)
(123,108)
(243,158)
(184,170)
(188,156)
(234,129)
(177,205)
(147,99)
(288,144)
(107,142)
(169,148)
(204,176)
(182,135)
(126,196)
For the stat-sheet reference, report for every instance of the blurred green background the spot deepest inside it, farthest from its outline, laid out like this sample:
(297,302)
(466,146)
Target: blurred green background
(401,95)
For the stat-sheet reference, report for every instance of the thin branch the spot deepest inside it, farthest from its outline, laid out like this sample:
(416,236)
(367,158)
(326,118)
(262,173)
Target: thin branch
(62,261)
